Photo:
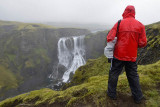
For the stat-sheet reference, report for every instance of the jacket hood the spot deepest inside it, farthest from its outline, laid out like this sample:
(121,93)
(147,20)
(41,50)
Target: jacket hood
(129,12)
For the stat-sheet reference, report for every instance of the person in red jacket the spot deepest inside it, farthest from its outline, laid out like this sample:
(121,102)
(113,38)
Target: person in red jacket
(130,37)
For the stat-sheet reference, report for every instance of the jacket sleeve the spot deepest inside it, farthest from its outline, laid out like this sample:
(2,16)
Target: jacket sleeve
(142,41)
(111,35)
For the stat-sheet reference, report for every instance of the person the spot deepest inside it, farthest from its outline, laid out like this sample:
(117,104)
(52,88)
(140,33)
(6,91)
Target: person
(130,37)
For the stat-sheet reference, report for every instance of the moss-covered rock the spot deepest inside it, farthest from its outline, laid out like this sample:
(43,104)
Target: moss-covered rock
(91,89)
(151,53)
(7,78)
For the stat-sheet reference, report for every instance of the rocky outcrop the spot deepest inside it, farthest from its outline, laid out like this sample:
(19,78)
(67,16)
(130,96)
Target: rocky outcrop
(151,53)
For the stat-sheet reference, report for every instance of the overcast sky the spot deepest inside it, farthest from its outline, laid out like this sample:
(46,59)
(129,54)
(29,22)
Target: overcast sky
(81,11)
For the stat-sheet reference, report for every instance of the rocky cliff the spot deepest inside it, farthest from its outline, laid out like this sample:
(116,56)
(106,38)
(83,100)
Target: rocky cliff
(151,53)
(28,52)
(95,44)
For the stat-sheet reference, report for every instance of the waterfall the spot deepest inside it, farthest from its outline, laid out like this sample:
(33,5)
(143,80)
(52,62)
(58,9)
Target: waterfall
(71,55)
(75,59)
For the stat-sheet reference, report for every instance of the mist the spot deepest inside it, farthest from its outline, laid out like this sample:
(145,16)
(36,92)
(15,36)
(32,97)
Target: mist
(77,11)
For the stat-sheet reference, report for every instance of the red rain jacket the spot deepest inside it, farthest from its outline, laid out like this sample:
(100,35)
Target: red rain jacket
(130,37)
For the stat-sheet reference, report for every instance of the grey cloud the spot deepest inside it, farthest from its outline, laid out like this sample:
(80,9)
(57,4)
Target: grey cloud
(81,11)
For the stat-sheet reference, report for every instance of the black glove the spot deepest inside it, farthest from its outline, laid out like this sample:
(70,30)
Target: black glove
(109,60)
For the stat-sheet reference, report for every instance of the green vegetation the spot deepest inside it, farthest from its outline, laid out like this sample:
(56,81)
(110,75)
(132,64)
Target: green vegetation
(95,50)
(43,54)
(151,53)
(7,79)
(91,89)
(154,25)
(28,51)
(152,70)
(23,53)
(20,26)
(153,35)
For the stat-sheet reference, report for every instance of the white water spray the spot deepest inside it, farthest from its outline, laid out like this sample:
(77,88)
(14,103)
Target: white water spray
(71,54)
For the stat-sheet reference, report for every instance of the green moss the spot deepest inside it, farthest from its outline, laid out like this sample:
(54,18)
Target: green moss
(152,70)
(29,64)
(153,98)
(151,53)
(7,78)
(12,102)
(37,57)
(95,86)
(11,57)
(43,54)
(154,26)
(20,26)
(123,84)
(91,91)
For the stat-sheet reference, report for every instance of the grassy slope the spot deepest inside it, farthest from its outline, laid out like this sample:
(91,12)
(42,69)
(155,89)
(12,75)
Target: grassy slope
(153,35)
(7,78)
(92,87)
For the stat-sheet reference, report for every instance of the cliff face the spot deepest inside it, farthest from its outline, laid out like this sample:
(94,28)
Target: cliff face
(28,53)
(95,44)
(151,53)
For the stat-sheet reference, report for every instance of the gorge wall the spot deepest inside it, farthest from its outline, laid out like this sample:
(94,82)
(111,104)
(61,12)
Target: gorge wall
(28,53)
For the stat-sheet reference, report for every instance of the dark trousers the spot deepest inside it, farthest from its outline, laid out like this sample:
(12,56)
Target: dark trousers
(132,76)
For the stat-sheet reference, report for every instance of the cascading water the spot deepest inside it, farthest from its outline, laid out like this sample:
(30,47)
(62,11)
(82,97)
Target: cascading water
(75,59)
(71,55)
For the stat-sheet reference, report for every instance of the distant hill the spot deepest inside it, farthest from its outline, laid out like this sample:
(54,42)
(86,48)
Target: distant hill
(91,27)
